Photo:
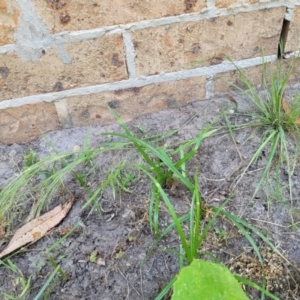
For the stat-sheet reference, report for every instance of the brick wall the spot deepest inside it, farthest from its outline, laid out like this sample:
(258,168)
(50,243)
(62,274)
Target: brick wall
(63,61)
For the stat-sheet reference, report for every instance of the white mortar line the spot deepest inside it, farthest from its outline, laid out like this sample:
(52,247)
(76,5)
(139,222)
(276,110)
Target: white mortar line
(7,49)
(137,82)
(289,14)
(209,88)
(129,54)
(63,112)
(32,35)
(211,4)
(292,54)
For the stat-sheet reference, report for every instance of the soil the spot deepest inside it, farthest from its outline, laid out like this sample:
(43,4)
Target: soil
(108,256)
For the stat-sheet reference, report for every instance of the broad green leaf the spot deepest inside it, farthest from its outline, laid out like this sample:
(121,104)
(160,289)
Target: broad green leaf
(207,281)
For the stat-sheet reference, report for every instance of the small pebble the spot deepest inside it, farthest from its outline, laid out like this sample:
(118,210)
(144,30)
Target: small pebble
(76,148)
(100,262)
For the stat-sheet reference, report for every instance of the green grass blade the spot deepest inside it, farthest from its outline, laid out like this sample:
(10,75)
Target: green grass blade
(195,226)
(251,92)
(165,289)
(181,257)
(156,204)
(57,243)
(275,140)
(257,154)
(168,229)
(130,136)
(287,158)
(9,265)
(216,211)
(9,297)
(161,154)
(198,213)
(55,265)
(197,141)
(151,208)
(172,213)
(44,287)
(243,226)
(192,220)
(240,224)
(183,166)
(256,286)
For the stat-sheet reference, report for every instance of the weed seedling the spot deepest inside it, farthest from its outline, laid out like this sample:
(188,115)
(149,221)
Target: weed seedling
(43,179)
(30,159)
(93,256)
(119,254)
(222,234)
(21,281)
(161,166)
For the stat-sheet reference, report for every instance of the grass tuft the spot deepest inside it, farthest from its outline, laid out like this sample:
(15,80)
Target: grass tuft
(275,118)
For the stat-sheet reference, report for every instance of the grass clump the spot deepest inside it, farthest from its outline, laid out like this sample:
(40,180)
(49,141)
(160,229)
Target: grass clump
(276,119)
(43,179)
(21,282)
(160,165)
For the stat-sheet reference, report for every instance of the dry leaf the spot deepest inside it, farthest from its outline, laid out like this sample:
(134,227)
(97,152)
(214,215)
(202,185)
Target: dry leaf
(287,109)
(66,230)
(37,228)
(231,99)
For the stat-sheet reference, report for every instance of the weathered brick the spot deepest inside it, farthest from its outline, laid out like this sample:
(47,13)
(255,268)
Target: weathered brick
(231,81)
(228,3)
(175,47)
(9,16)
(293,37)
(252,1)
(225,3)
(93,62)
(26,123)
(130,103)
(293,66)
(82,14)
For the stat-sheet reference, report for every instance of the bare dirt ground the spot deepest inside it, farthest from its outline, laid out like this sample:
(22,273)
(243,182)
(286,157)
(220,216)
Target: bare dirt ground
(121,238)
